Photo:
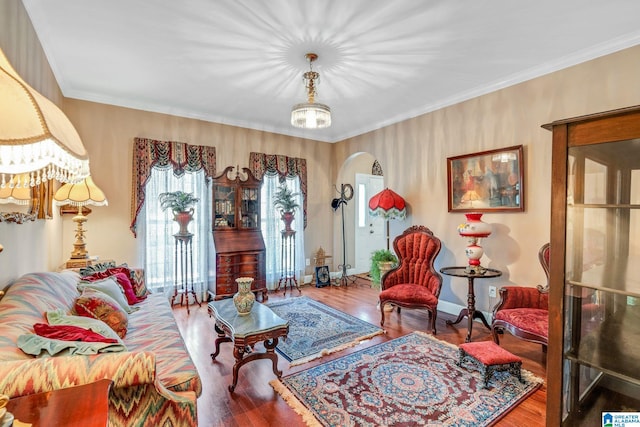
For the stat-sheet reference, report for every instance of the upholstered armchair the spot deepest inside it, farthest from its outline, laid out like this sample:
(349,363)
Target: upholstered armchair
(414,283)
(523,311)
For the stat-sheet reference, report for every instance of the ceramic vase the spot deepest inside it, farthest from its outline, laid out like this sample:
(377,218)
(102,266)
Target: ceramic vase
(244,298)
(474,229)
(183,219)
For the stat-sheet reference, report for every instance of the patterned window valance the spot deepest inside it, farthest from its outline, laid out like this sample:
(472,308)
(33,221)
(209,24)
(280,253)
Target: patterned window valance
(181,157)
(284,166)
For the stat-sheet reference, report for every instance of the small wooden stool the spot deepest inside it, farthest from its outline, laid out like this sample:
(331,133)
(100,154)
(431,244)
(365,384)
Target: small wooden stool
(492,358)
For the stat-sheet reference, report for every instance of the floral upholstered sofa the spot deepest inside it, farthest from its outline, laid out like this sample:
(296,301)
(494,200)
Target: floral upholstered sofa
(155,382)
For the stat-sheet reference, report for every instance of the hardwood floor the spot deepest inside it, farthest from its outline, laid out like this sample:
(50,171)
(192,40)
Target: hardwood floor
(254,403)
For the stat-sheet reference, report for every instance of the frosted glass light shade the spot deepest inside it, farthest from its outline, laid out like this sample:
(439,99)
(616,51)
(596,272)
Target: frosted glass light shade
(311,116)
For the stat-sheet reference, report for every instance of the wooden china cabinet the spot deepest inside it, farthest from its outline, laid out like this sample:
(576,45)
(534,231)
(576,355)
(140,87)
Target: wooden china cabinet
(593,359)
(239,246)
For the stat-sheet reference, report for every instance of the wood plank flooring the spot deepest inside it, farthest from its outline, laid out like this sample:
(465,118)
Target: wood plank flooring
(254,403)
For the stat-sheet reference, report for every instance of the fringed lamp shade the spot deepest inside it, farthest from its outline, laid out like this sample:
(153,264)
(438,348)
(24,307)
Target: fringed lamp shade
(35,136)
(84,193)
(389,205)
(17,190)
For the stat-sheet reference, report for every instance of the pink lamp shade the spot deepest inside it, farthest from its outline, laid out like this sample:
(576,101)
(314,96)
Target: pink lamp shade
(388,204)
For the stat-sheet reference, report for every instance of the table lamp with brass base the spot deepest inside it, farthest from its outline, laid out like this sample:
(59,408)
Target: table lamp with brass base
(86,192)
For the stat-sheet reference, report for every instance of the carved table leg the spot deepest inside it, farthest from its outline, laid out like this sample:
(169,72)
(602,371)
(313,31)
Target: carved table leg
(238,353)
(221,338)
(270,345)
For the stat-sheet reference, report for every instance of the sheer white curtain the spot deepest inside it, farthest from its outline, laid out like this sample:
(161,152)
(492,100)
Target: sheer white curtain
(272,227)
(156,244)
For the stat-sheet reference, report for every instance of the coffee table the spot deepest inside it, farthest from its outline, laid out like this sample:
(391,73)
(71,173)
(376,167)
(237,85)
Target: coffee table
(261,324)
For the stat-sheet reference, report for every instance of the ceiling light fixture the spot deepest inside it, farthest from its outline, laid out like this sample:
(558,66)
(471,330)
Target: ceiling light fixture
(311,115)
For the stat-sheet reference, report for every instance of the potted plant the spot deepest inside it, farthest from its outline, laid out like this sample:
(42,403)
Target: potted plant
(382,261)
(181,204)
(285,201)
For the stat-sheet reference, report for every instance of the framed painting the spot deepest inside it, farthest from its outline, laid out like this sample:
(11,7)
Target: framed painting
(489,181)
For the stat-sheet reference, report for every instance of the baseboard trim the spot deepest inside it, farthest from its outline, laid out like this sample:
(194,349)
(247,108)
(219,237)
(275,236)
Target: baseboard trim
(454,309)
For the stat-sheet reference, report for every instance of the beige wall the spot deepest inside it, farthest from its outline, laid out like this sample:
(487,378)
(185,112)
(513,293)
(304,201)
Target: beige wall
(412,154)
(108,133)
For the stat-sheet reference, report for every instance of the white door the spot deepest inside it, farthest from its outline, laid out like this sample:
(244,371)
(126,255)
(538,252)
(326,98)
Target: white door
(370,230)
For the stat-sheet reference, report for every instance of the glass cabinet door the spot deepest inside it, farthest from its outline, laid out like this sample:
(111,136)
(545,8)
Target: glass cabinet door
(224,206)
(250,208)
(601,345)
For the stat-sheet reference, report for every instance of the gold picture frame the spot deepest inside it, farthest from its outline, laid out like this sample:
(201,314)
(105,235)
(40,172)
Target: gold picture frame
(488,181)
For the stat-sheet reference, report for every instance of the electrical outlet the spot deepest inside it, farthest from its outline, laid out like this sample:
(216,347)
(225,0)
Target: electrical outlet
(492,291)
(307,262)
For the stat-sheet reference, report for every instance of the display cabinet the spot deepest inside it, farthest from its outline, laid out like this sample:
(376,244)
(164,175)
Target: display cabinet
(593,360)
(239,246)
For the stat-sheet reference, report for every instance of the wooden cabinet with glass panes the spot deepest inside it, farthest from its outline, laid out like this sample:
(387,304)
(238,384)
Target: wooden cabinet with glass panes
(593,359)
(239,246)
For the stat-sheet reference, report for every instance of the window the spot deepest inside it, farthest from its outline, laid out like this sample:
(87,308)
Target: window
(272,226)
(157,245)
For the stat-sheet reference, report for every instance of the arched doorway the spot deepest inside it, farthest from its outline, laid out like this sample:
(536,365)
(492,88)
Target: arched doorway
(363,233)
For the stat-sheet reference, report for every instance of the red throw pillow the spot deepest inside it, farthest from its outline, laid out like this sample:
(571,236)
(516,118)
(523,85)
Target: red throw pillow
(123,280)
(93,303)
(127,287)
(139,288)
(70,333)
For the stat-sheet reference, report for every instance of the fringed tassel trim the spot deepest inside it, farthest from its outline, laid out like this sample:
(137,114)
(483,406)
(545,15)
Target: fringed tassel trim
(326,352)
(307,416)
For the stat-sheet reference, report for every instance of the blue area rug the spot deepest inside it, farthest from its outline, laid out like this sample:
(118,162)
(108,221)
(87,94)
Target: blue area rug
(408,381)
(315,329)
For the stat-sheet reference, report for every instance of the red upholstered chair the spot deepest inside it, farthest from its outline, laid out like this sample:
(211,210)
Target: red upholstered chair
(524,311)
(414,283)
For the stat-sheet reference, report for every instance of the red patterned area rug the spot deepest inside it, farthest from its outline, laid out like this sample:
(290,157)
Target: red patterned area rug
(410,381)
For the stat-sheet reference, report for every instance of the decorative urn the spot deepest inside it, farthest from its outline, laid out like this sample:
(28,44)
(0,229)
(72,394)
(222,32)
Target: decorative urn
(244,298)
(183,219)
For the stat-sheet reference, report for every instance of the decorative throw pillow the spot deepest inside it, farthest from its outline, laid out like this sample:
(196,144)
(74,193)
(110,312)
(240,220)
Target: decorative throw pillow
(139,285)
(100,266)
(96,304)
(123,281)
(135,276)
(110,287)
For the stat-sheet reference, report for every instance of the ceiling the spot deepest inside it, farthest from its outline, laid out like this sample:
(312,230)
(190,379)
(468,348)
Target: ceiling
(240,62)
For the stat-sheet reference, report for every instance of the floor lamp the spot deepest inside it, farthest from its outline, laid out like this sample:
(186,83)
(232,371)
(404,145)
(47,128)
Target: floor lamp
(389,205)
(84,193)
